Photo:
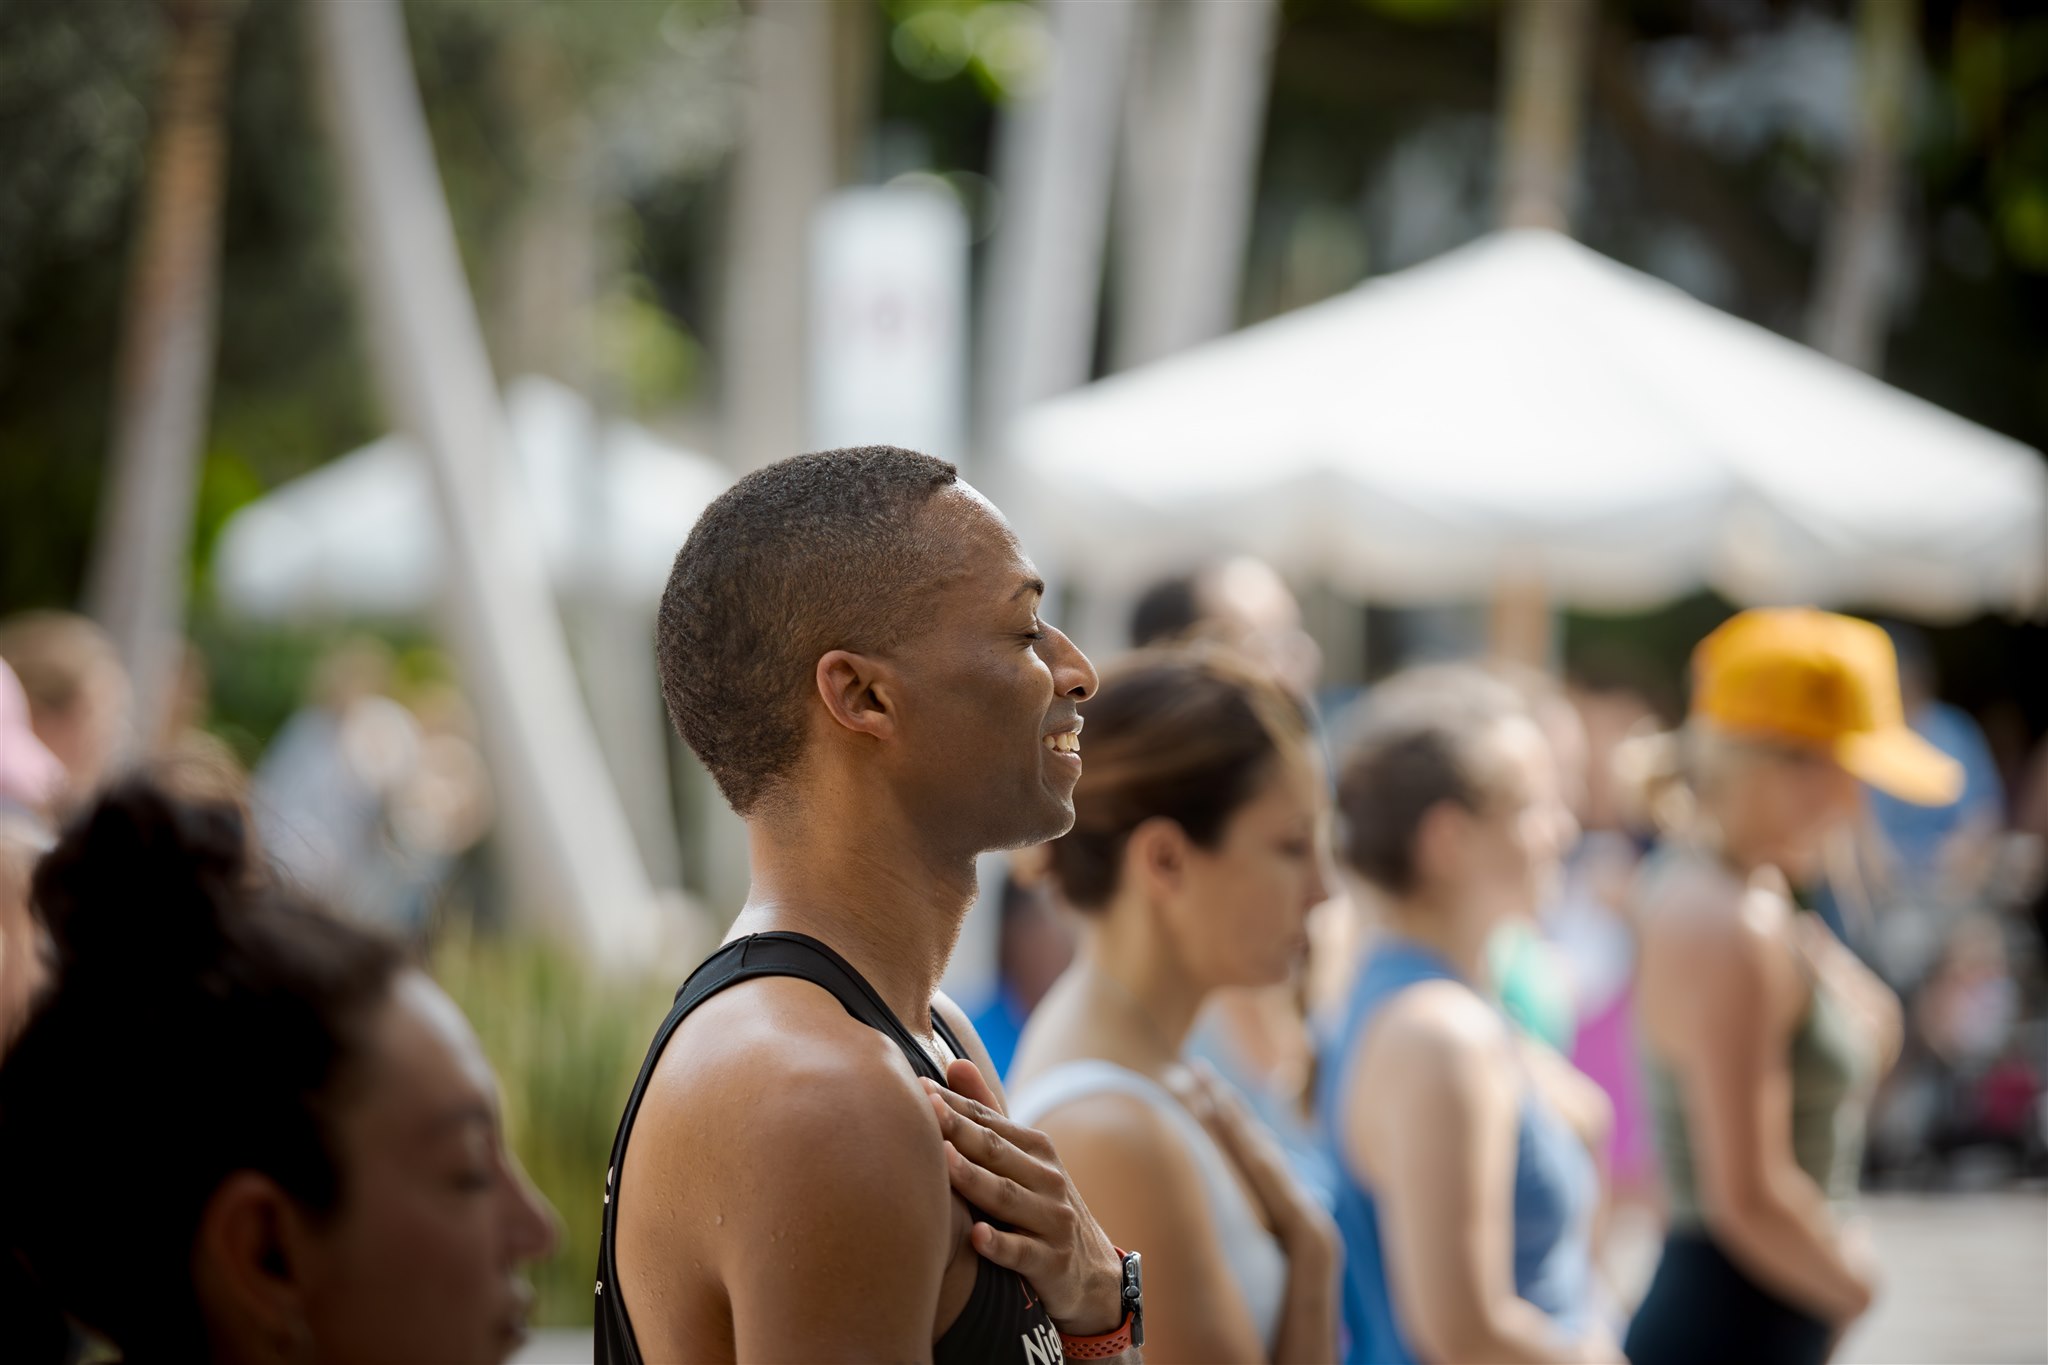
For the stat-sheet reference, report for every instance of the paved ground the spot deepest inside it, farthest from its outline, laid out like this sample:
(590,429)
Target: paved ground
(1966,1283)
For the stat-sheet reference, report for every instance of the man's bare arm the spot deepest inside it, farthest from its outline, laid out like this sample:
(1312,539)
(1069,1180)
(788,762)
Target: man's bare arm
(823,1206)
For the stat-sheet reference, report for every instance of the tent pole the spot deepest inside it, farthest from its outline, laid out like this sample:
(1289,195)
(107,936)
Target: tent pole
(1521,628)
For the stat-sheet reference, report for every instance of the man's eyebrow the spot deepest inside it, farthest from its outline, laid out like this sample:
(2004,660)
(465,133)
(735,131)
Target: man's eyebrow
(1029,585)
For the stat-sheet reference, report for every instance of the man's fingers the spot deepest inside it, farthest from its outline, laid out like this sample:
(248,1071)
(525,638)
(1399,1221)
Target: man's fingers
(1028,1140)
(985,1115)
(984,1146)
(1011,1250)
(994,1194)
(964,1078)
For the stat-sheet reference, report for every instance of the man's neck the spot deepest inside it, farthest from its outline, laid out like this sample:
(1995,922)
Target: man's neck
(890,906)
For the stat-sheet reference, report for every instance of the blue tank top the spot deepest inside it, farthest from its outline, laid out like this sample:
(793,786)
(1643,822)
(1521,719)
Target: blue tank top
(1556,1185)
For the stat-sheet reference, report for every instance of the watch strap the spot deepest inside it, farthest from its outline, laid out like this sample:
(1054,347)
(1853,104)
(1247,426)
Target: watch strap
(1110,1344)
(1105,1347)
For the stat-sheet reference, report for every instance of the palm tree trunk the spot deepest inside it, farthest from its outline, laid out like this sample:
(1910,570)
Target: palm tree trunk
(785,168)
(1852,302)
(561,823)
(1055,156)
(1197,106)
(137,580)
(1543,94)
(1544,53)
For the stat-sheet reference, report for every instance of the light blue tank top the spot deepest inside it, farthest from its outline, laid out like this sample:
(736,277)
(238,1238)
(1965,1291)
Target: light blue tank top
(1556,1185)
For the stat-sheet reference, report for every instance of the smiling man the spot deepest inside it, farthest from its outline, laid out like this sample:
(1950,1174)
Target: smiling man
(815,1163)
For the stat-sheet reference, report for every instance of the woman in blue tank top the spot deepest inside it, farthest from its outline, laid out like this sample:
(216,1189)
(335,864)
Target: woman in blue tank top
(1465,1198)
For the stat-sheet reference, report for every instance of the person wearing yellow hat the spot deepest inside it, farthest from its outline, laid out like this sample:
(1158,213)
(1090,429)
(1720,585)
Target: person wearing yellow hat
(1764,1034)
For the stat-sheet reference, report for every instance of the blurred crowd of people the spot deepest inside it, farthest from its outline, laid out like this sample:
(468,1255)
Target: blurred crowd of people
(1378,1021)
(1947,903)
(1931,899)
(368,795)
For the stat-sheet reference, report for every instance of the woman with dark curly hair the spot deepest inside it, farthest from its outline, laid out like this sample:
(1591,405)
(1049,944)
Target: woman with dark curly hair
(237,1129)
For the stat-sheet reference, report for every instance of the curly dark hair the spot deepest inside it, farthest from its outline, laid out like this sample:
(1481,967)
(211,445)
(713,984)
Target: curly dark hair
(811,554)
(204,1019)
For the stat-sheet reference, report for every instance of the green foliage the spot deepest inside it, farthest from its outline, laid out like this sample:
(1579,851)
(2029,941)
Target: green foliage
(1644,651)
(2024,217)
(566,1047)
(1004,48)
(1425,11)
(654,361)
(75,79)
(260,673)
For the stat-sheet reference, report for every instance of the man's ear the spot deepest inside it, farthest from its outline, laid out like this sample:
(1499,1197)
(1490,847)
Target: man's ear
(249,1259)
(859,692)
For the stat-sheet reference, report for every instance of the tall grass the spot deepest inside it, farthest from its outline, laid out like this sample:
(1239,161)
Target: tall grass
(567,1045)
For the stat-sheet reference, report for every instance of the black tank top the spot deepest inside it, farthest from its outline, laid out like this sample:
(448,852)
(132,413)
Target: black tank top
(1002,1321)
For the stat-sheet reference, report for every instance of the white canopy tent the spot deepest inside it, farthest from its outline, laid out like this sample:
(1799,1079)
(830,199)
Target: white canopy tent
(1524,409)
(609,501)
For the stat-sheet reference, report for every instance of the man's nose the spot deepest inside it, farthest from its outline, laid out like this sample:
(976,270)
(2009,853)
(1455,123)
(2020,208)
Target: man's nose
(1073,676)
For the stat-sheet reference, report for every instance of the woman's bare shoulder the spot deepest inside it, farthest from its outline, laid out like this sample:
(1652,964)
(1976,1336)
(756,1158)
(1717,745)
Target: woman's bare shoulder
(1696,905)
(1118,1136)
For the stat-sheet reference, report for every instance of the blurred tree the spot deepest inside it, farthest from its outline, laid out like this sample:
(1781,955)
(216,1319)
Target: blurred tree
(1852,304)
(547,272)
(1192,119)
(1543,89)
(1054,162)
(1544,61)
(1362,92)
(564,825)
(786,164)
(144,534)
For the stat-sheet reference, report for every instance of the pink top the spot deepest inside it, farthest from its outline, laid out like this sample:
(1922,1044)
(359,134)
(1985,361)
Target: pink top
(30,774)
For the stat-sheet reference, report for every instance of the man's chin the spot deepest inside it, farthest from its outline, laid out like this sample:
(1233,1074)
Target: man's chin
(1055,818)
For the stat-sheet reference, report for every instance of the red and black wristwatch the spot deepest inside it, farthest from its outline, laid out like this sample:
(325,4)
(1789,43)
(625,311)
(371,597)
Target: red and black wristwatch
(1132,1333)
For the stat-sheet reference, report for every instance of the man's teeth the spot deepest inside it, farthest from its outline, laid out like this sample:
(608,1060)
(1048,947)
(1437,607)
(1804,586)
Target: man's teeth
(1065,742)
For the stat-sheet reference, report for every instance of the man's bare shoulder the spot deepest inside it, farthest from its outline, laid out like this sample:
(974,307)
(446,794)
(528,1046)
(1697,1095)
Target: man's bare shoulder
(771,1085)
(775,1052)
(784,1154)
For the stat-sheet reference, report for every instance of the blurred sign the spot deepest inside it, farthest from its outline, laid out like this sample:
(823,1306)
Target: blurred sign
(889,319)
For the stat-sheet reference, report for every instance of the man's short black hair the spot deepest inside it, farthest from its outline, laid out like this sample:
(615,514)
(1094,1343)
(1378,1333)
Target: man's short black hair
(811,554)
(1167,610)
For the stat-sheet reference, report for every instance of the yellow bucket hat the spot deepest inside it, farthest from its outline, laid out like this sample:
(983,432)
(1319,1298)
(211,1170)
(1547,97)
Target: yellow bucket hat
(1825,681)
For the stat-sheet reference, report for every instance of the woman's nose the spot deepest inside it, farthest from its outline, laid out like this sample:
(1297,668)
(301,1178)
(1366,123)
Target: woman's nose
(536,1227)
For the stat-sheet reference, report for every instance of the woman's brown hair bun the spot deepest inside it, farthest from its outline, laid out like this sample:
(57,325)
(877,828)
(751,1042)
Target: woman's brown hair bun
(1186,733)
